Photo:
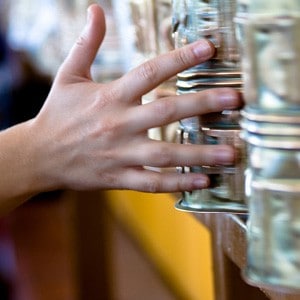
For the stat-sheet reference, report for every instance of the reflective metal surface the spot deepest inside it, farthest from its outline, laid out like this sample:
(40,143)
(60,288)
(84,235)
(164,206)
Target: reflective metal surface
(213,20)
(271,129)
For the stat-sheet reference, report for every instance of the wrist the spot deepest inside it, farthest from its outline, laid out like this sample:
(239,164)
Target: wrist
(22,170)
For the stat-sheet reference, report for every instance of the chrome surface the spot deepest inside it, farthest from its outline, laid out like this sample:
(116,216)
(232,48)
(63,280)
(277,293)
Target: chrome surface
(271,128)
(213,20)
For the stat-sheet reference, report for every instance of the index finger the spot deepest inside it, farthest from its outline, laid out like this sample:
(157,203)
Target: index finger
(150,74)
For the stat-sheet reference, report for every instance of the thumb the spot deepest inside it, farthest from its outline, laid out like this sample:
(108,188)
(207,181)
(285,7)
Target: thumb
(84,51)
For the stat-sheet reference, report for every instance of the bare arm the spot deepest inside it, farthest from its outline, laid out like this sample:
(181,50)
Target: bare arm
(94,136)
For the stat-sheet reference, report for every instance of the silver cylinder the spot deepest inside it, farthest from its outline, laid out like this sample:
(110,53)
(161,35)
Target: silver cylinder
(213,20)
(273,189)
(271,128)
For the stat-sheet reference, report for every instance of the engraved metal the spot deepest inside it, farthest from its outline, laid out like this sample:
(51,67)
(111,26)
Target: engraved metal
(213,20)
(271,128)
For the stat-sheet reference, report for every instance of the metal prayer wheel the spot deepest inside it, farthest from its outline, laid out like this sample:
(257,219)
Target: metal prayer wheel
(214,20)
(271,128)
(273,189)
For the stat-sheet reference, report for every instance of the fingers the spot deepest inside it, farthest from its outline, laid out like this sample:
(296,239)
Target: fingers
(170,109)
(83,53)
(150,74)
(162,154)
(155,182)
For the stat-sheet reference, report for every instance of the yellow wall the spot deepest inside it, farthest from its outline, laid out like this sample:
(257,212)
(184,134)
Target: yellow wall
(177,243)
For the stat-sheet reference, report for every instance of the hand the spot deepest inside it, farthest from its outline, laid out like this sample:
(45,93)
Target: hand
(90,135)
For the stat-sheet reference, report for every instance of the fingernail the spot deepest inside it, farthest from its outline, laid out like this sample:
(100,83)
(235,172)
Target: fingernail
(203,48)
(225,156)
(200,183)
(88,15)
(86,28)
(229,99)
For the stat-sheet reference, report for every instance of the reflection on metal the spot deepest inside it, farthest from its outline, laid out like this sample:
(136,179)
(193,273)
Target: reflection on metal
(193,20)
(271,128)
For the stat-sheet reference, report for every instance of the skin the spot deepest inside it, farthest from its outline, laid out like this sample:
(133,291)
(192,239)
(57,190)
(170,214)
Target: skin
(91,136)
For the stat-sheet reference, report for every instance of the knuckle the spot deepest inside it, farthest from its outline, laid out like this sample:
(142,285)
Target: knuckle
(211,102)
(162,156)
(165,110)
(106,95)
(153,185)
(80,41)
(148,70)
(109,180)
(183,57)
(107,130)
(181,185)
(109,156)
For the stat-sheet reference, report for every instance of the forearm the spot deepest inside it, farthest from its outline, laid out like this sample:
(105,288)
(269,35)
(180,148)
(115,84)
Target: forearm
(19,178)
